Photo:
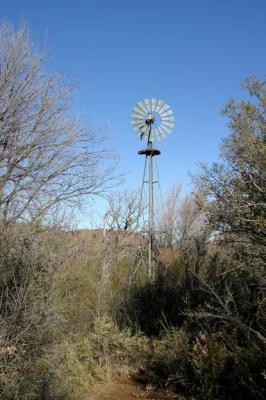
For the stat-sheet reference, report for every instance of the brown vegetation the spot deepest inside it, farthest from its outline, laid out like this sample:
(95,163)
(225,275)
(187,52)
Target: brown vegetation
(76,308)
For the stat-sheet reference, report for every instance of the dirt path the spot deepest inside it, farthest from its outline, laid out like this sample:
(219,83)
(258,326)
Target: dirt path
(130,390)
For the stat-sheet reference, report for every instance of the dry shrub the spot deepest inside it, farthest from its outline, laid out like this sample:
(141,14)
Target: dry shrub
(208,359)
(147,304)
(77,294)
(104,352)
(168,363)
(206,366)
(28,256)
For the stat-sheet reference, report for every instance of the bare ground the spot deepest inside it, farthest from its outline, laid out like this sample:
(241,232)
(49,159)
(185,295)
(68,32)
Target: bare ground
(130,390)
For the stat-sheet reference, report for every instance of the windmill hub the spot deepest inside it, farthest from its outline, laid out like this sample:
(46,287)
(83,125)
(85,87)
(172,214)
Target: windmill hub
(149,119)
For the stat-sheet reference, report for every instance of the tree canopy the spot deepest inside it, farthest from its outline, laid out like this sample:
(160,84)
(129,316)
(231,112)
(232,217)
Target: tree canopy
(236,185)
(49,159)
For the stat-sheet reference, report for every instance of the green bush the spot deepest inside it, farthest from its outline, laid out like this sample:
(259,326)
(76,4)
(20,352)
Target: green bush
(105,351)
(206,366)
(168,363)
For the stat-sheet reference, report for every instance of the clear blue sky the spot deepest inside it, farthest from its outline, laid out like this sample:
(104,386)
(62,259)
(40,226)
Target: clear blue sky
(193,54)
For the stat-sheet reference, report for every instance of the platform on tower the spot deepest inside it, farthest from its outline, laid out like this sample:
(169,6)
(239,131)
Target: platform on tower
(149,152)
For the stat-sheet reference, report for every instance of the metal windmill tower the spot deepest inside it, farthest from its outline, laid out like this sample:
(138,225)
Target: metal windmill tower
(153,120)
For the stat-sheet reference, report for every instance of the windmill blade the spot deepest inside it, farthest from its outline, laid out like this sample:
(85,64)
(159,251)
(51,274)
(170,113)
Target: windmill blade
(137,115)
(169,118)
(137,121)
(153,104)
(143,132)
(166,113)
(170,125)
(144,136)
(143,105)
(166,121)
(158,131)
(161,132)
(157,136)
(153,132)
(156,104)
(136,127)
(148,105)
(164,110)
(160,105)
(139,127)
(166,131)
(140,110)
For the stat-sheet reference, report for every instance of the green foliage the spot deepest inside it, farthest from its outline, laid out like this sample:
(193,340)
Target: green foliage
(104,352)
(169,362)
(206,367)
(236,186)
(77,295)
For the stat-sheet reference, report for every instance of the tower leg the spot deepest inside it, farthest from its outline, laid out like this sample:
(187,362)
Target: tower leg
(151,220)
(150,152)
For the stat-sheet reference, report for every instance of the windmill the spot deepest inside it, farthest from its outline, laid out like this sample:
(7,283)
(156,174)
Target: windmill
(153,120)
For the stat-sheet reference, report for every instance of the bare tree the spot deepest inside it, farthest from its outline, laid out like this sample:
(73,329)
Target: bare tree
(48,159)
(123,236)
(124,212)
(49,163)
(168,218)
(179,219)
(181,229)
